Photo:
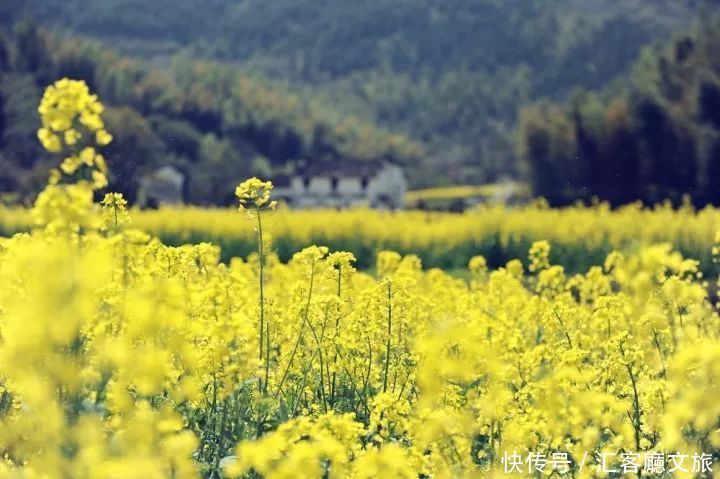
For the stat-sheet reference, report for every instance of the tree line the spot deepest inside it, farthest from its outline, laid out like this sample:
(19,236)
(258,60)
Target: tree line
(654,136)
(213,122)
(452,75)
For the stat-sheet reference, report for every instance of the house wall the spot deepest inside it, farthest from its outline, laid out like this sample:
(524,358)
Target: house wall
(350,187)
(388,186)
(164,187)
(385,189)
(320,186)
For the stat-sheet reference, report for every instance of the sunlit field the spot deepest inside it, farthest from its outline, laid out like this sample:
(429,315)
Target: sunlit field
(262,342)
(581,236)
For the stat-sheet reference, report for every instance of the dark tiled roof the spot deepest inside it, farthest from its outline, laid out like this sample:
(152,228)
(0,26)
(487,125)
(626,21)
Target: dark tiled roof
(340,169)
(281,181)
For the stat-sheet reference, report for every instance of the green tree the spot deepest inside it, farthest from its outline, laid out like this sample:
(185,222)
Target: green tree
(134,151)
(219,168)
(549,149)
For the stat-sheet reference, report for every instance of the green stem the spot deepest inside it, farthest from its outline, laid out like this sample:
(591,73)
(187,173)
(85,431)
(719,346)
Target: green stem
(562,325)
(636,419)
(300,333)
(389,338)
(261,252)
(659,349)
(337,326)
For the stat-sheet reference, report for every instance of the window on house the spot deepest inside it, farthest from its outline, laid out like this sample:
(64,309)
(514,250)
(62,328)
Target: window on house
(364,183)
(306,182)
(334,184)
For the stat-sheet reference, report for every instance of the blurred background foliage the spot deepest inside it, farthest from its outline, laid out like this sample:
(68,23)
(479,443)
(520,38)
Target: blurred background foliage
(656,138)
(213,122)
(580,98)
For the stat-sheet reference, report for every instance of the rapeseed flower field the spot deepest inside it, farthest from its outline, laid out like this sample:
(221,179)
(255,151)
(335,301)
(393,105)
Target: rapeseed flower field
(582,236)
(124,357)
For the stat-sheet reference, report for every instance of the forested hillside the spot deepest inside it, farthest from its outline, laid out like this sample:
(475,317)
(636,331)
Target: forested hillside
(213,122)
(450,74)
(656,138)
(316,40)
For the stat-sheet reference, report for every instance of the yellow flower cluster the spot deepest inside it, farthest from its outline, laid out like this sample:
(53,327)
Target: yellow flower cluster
(64,105)
(255,194)
(70,113)
(121,357)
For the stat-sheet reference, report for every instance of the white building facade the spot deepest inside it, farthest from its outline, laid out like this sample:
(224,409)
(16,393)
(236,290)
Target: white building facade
(379,185)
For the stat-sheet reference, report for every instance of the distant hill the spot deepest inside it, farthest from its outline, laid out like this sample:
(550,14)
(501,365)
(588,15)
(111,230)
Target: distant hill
(656,137)
(317,40)
(452,73)
(213,122)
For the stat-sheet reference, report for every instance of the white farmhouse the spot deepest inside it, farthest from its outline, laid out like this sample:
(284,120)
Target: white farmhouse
(377,184)
(161,187)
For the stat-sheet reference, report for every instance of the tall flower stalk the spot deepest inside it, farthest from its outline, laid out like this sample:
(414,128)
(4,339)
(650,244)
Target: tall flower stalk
(254,197)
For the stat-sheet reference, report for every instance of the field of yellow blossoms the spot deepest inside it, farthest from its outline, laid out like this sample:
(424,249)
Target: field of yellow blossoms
(123,357)
(581,236)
